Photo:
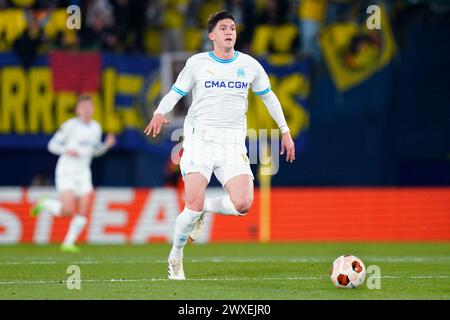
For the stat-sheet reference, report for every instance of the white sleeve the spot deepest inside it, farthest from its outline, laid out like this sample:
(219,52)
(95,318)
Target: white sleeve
(276,112)
(100,147)
(261,82)
(184,83)
(185,80)
(168,102)
(56,145)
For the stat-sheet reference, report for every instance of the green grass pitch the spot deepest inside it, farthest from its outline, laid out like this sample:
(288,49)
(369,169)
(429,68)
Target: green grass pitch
(223,271)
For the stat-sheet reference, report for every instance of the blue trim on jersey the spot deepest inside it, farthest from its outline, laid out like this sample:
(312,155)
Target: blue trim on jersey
(260,93)
(179,91)
(223,60)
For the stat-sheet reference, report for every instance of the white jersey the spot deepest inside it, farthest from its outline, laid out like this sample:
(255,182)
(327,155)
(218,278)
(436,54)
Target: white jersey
(84,138)
(220,89)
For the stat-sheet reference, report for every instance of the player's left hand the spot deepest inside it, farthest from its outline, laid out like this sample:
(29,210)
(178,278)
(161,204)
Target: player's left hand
(110,140)
(287,144)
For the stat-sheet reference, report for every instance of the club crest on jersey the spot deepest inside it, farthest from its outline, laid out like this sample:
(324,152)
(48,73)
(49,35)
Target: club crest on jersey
(226,84)
(240,73)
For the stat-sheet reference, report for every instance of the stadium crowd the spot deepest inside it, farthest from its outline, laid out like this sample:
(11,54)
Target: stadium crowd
(289,27)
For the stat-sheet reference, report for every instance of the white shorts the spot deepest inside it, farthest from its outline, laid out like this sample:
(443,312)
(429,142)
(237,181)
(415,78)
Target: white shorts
(80,184)
(226,160)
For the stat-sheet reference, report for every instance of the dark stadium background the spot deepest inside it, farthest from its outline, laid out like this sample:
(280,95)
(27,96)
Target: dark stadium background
(370,108)
(390,130)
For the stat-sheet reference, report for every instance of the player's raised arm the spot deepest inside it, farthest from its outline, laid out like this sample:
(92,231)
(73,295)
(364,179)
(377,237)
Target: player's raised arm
(261,87)
(185,82)
(56,145)
(276,112)
(166,105)
(102,148)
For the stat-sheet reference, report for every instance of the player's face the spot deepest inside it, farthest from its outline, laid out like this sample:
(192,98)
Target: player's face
(85,110)
(224,34)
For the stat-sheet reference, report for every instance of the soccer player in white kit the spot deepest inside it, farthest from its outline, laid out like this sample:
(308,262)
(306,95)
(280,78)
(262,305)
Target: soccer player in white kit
(215,131)
(76,142)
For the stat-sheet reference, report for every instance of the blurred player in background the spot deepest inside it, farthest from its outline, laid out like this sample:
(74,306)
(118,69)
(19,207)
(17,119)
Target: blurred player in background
(76,142)
(215,129)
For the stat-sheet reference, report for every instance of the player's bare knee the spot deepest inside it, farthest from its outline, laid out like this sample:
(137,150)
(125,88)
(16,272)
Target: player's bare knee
(195,203)
(243,213)
(243,205)
(67,210)
(243,210)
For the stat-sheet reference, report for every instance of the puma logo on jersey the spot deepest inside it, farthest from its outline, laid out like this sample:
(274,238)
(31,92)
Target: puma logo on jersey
(210,72)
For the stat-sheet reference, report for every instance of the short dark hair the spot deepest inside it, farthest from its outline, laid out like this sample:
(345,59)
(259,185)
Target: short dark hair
(216,17)
(84,97)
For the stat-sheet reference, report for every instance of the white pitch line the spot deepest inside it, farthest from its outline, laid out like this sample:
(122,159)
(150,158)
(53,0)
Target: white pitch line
(208,279)
(160,280)
(367,259)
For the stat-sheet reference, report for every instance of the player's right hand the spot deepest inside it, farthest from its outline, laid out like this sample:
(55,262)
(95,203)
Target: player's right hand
(110,140)
(72,153)
(156,124)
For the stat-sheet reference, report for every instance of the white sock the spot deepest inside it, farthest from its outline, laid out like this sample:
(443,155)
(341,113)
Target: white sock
(221,205)
(76,226)
(52,205)
(184,225)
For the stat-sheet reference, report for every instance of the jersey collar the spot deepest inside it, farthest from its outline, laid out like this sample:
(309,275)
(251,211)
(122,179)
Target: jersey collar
(211,54)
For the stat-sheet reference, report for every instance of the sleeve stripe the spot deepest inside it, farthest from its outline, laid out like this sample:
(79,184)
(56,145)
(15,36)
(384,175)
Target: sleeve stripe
(260,93)
(179,91)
